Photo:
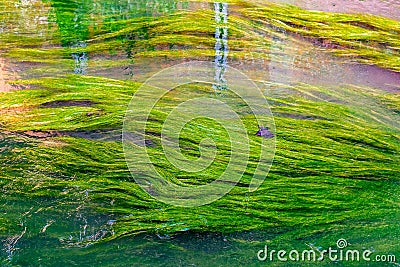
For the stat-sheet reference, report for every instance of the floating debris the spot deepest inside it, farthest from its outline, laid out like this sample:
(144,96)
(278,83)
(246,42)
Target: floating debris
(264,132)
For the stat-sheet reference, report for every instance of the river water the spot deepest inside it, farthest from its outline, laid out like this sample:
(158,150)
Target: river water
(385,8)
(50,230)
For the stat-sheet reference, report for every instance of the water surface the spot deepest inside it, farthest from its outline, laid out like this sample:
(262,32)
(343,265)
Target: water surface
(68,70)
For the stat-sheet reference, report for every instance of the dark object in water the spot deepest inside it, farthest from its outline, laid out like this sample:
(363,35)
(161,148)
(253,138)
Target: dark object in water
(68,103)
(264,132)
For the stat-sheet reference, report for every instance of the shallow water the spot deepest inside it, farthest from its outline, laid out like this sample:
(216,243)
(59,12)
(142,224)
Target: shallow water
(58,211)
(385,8)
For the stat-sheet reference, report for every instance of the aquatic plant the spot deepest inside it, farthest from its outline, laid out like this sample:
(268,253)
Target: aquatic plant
(336,165)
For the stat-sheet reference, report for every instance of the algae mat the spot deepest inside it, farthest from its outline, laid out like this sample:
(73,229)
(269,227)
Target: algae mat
(69,69)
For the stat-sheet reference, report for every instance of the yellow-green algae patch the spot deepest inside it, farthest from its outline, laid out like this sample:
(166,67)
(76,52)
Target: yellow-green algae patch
(331,156)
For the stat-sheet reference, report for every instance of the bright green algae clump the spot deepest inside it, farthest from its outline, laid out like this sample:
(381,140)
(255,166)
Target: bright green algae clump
(338,167)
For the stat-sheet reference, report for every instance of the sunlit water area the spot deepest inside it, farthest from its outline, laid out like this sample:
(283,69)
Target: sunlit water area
(299,126)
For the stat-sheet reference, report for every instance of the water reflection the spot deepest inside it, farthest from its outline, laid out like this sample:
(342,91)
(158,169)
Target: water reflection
(22,23)
(72,19)
(385,8)
(78,20)
(221,45)
(293,61)
(80,58)
(280,69)
(25,16)
(10,244)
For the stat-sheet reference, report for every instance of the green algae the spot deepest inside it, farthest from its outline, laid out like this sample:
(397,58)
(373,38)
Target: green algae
(326,170)
(105,114)
(317,165)
(369,39)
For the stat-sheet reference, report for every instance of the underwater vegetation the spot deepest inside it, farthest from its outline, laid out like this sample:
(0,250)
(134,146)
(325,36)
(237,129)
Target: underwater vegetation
(336,166)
